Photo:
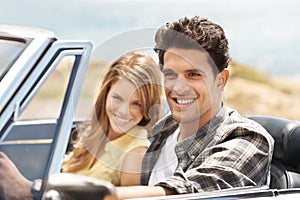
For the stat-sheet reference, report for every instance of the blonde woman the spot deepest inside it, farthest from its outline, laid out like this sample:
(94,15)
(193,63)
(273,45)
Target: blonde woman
(112,145)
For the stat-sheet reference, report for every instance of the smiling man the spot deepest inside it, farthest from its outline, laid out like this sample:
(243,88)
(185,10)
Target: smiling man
(202,145)
(192,89)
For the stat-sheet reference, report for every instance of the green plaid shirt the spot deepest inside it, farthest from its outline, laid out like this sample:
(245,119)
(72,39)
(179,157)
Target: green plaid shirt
(230,151)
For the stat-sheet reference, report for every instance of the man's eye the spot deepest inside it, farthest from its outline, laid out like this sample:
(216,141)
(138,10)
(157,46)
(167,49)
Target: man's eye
(194,75)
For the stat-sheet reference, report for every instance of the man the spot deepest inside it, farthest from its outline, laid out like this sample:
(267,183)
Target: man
(202,145)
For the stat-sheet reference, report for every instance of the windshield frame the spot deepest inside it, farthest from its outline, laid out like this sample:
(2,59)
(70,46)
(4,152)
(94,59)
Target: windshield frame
(10,50)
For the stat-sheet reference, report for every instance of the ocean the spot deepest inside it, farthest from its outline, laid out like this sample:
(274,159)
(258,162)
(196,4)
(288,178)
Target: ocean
(262,33)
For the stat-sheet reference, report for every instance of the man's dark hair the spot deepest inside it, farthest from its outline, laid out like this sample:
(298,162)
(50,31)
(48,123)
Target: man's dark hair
(194,33)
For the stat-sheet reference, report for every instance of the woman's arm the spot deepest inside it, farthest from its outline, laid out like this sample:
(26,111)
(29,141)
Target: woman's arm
(131,167)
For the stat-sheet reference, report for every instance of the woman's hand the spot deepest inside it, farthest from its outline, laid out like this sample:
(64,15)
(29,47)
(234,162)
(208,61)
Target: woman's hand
(13,185)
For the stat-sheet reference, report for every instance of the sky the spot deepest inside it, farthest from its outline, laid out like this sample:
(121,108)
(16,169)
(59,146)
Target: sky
(263,33)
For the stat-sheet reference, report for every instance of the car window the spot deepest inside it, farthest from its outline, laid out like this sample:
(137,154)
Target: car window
(33,131)
(9,51)
(47,103)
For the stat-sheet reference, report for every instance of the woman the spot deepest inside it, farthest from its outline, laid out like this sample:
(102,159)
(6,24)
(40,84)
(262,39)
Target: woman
(112,145)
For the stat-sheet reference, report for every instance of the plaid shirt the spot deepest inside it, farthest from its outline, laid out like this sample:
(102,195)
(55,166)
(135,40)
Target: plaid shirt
(230,151)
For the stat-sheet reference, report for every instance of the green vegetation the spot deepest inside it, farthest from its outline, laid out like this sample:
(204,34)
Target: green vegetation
(254,75)
(248,73)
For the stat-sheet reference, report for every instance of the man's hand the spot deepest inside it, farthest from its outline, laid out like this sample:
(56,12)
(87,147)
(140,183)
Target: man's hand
(13,185)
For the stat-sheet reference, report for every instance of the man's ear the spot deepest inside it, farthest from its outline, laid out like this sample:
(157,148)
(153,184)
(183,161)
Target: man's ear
(223,77)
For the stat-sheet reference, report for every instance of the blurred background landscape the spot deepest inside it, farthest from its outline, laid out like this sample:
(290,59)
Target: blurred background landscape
(263,37)
(253,92)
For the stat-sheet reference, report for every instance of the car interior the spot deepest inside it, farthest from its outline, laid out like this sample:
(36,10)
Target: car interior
(285,169)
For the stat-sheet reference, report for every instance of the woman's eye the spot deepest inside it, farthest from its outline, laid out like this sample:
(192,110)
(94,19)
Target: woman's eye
(116,98)
(137,104)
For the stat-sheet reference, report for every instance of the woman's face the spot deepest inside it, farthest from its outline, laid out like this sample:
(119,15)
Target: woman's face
(123,106)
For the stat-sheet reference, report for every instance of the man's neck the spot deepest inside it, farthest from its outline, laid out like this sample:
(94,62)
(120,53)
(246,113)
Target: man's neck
(188,129)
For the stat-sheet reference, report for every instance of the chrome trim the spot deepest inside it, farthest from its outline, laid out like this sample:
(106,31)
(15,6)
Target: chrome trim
(68,117)
(35,122)
(24,31)
(38,141)
(247,192)
(68,48)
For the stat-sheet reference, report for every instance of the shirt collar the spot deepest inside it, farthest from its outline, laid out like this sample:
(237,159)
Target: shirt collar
(191,144)
(213,124)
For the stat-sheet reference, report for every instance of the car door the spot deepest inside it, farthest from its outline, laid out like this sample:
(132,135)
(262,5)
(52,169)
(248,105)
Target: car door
(36,144)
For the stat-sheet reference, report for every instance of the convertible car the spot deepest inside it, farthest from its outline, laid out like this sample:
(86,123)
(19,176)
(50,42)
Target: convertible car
(38,70)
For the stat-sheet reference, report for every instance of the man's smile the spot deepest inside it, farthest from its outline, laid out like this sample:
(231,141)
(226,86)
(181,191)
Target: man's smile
(183,101)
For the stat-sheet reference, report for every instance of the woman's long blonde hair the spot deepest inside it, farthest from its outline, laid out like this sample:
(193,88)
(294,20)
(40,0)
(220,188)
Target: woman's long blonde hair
(140,69)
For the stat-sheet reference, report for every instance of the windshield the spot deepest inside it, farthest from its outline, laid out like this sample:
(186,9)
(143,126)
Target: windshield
(9,51)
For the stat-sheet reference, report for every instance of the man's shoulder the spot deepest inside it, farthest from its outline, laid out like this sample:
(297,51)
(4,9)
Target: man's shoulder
(235,120)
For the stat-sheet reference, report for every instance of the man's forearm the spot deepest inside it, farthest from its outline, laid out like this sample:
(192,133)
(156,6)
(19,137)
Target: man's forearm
(141,191)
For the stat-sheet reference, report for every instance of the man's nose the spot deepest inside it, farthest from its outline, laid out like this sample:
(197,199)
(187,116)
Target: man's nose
(181,85)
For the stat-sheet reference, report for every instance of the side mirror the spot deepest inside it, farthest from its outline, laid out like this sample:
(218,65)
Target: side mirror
(67,186)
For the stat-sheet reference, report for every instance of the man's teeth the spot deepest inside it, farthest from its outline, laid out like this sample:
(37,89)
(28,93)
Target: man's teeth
(185,101)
